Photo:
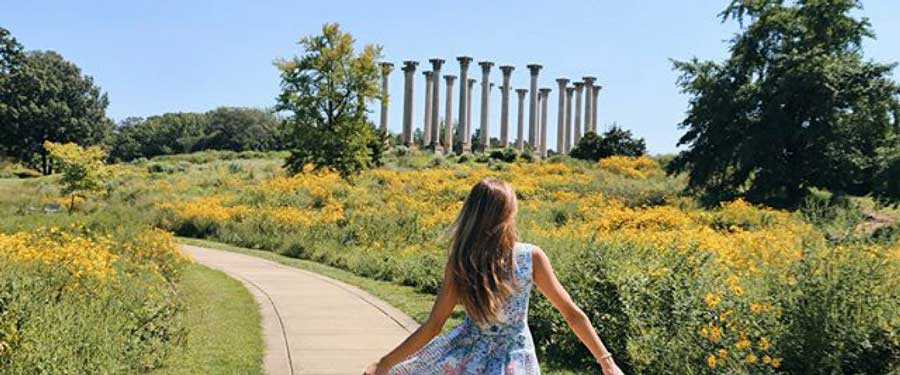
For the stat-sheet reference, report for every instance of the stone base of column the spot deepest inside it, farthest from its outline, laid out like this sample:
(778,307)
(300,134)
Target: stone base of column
(466,148)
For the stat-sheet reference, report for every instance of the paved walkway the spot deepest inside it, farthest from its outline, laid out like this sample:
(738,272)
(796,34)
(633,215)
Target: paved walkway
(312,324)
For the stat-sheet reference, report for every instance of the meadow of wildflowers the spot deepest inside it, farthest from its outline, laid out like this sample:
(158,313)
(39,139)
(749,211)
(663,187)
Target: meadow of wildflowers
(77,297)
(674,287)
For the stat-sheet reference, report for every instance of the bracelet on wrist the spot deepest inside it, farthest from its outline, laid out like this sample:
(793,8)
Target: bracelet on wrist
(605,356)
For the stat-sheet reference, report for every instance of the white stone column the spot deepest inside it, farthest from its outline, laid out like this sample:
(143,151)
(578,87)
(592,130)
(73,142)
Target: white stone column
(545,96)
(588,103)
(579,87)
(485,139)
(464,99)
(386,69)
(426,129)
(436,103)
(467,147)
(520,142)
(409,72)
(569,92)
(532,104)
(536,147)
(448,117)
(596,95)
(561,117)
(504,105)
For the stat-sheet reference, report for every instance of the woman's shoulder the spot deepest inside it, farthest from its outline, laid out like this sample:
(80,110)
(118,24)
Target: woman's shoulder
(532,250)
(527,247)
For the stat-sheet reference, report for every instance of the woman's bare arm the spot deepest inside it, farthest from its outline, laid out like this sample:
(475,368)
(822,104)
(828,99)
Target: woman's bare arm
(443,307)
(546,281)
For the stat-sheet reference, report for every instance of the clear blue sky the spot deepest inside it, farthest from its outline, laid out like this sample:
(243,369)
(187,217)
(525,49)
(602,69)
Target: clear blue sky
(155,56)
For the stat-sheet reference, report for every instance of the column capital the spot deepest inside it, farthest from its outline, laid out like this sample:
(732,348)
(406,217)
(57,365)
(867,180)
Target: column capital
(472,81)
(427,74)
(386,67)
(534,68)
(464,61)
(436,63)
(485,65)
(569,90)
(598,88)
(410,66)
(449,78)
(578,85)
(507,69)
(562,81)
(545,90)
(589,80)
(521,92)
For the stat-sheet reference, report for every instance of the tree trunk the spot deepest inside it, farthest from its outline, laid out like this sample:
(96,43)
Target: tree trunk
(44,166)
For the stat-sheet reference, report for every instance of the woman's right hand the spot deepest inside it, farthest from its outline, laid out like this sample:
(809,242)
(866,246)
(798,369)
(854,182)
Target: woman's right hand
(609,367)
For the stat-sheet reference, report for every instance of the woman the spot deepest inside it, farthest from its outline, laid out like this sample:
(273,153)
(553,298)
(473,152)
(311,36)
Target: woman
(491,275)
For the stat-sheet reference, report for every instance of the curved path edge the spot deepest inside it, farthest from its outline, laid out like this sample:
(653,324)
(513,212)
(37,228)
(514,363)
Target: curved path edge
(312,324)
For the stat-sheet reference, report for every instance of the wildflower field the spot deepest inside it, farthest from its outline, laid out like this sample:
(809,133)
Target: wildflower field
(100,291)
(672,287)
(78,301)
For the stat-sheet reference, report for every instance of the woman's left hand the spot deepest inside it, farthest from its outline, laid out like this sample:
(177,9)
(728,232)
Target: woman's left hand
(373,369)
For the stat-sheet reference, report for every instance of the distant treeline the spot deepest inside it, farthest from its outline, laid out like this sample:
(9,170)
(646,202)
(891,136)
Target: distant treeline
(225,128)
(44,97)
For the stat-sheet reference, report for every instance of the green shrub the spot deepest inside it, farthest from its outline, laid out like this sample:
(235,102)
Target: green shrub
(615,141)
(400,151)
(508,154)
(842,316)
(528,156)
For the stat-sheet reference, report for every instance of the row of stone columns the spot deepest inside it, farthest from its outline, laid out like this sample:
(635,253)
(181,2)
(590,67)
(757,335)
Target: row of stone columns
(567,135)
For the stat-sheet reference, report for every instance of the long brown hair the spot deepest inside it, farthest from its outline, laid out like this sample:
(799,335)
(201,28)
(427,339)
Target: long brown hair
(481,257)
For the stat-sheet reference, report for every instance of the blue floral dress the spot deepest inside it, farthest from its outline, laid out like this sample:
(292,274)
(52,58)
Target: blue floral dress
(502,349)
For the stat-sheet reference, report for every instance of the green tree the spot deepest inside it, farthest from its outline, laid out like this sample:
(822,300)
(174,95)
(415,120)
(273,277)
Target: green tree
(615,141)
(166,134)
(795,106)
(43,98)
(326,91)
(241,129)
(11,54)
(11,57)
(83,171)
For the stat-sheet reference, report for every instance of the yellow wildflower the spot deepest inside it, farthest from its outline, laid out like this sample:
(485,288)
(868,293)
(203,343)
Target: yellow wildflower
(712,299)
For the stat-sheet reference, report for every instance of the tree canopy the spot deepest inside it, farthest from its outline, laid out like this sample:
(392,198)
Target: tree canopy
(326,91)
(242,129)
(224,128)
(43,98)
(794,106)
(615,141)
(83,171)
